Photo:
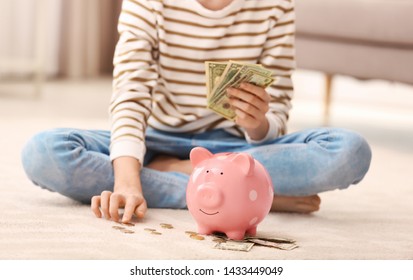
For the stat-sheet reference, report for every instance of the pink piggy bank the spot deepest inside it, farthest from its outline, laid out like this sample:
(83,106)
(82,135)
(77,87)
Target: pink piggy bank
(228,192)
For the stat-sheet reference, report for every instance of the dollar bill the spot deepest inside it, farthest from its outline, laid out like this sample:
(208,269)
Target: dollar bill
(219,73)
(234,74)
(245,74)
(231,69)
(273,239)
(214,71)
(234,246)
(281,246)
(272,242)
(220,103)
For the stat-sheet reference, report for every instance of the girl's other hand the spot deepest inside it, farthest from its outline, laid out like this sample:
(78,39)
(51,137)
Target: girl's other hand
(250,103)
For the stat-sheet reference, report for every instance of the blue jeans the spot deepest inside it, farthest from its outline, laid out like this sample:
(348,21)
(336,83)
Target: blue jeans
(76,162)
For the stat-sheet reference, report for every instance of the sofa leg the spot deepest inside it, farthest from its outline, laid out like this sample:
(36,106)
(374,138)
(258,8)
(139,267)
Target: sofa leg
(327,99)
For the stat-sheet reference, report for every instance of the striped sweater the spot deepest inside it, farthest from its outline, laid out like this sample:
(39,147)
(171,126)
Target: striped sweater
(159,75)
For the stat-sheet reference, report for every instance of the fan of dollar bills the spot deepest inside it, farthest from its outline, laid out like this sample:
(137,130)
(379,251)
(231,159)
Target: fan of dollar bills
(222,75)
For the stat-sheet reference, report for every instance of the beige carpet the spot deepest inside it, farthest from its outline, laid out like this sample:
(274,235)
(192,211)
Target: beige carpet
(373,220)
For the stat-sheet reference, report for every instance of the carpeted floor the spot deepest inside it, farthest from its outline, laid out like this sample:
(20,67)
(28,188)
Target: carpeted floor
(372,220)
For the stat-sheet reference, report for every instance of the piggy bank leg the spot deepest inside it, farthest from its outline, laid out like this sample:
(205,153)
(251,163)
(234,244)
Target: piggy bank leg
(252,231)
(204,230)
(235,235)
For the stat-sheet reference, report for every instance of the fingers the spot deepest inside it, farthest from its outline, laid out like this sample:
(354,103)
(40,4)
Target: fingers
(259,92)
(131,207)
(249,102)
(141,210)
(95,204)
(115,201)
(248,98)
(109,204)
(104,203)
(248,115)
(129,210)
(247,108)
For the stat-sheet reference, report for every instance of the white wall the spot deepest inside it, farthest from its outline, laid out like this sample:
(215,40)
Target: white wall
(29,32)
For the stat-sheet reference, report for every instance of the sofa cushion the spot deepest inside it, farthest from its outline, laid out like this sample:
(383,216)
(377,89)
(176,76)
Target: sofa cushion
(383,21)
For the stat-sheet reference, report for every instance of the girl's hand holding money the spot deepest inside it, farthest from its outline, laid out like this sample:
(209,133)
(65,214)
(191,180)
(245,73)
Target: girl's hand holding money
(250,104)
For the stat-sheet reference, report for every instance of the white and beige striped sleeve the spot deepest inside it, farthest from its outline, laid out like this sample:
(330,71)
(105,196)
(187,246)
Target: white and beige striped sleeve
(278,56)
(134,76)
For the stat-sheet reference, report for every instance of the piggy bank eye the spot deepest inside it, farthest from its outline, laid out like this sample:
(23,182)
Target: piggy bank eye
(207,171)
(222,173)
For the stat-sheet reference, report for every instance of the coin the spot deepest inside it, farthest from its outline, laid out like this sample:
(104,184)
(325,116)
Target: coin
(118,227)
(218,240)
(197,237)
(149,229)
(169,226)
(127,231)
(190,232)
(156,232)
(128,224)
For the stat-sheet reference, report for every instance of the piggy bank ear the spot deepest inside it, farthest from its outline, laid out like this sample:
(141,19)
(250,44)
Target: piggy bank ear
(245,162)
(199,154)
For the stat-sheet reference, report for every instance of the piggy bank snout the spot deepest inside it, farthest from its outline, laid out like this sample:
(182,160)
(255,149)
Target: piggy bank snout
(209,196)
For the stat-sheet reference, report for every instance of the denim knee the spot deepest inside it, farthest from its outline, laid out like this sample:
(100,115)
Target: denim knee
(72,162)
(338,158)
(362,154)
(45,163)
(351,161)
(38,156)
